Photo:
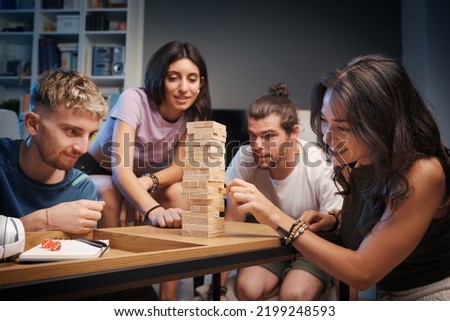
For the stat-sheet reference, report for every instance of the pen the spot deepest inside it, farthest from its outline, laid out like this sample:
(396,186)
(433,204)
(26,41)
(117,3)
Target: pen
(95,243)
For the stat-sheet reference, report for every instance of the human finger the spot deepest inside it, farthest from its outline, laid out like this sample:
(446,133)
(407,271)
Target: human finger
(176,217)
(235,182)
(93,205)
(158,220)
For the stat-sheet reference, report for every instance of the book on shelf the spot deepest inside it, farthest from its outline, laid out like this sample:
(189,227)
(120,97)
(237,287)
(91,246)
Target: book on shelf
(69,55)
(49,54)
(69,59)
(61,4)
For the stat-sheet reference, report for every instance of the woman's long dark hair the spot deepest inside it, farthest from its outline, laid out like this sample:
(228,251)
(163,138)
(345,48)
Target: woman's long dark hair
(388,116)
(157,69)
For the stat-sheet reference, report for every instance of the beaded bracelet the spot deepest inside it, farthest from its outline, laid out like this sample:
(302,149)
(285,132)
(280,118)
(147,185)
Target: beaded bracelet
(155,181)
(296,229)
(303,227)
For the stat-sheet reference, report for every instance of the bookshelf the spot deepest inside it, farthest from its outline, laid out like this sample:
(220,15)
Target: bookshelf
(38,34)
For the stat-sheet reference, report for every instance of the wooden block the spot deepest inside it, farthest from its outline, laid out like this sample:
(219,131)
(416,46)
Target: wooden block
(192,219)
(207,178)
(198,154)
(219,204)
(203,171)
(201,184)
(215,164)
(203,234)
(207,137)
(219,226)
(211,215)
(213,150)
(213,130)
(216,224)
(206,209)
(203,193)
(203,142)
(202,196)
(206,223)
(209,189)
(203,124)
(210,230)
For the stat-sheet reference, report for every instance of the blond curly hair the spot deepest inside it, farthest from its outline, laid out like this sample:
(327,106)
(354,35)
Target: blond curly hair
(58,88)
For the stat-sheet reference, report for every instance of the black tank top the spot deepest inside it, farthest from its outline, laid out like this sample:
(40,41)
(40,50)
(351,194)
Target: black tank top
(428,263)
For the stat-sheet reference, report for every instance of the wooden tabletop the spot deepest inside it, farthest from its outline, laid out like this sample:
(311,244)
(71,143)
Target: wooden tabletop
(139,255)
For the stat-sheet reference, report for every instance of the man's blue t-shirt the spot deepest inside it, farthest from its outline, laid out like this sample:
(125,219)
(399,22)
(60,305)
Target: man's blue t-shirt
(20,195)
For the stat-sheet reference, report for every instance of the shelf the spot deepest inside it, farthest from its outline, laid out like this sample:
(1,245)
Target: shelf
(17,38)
(15,13)
(61,36)
(107,10)
(107,36)
(118,26)
(55,12)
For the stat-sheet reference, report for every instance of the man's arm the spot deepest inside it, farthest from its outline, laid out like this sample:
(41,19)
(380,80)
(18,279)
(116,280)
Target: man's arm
(78,217)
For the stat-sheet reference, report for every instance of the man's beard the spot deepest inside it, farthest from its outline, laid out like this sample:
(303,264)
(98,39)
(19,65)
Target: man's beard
(55,162)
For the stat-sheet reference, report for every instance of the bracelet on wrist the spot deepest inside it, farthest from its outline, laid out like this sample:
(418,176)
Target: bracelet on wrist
(48,222)
(155,181)
(151,210)
(297,228)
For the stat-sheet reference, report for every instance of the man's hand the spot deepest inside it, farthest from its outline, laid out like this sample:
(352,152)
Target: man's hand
(78,217)
(318,222)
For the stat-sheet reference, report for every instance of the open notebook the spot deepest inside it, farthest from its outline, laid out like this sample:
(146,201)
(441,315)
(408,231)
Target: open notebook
(71,249)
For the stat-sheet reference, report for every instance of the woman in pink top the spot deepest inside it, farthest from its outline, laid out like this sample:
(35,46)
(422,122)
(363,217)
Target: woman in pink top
(135,159)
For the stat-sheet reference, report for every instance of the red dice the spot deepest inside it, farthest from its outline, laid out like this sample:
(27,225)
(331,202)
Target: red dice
(53,245)
(46,243)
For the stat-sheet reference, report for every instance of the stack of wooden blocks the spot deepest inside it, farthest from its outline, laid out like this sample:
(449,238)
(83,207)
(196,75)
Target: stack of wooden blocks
(203,179)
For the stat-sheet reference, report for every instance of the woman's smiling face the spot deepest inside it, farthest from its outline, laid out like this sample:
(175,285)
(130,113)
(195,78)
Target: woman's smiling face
(181,85)
(344,147)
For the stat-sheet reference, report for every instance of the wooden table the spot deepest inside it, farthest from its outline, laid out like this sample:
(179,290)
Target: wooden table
(140,255)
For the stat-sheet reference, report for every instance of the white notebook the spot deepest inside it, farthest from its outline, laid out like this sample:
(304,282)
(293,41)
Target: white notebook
(70,250)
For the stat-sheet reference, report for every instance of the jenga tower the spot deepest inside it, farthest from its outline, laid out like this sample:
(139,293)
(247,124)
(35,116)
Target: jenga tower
(203,179)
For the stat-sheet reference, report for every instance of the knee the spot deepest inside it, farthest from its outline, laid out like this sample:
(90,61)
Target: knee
(295,294)
(247,292)
(298,292)
(243,294)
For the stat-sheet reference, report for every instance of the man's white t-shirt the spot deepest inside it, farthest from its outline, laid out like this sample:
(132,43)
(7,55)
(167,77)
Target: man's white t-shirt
(308,187)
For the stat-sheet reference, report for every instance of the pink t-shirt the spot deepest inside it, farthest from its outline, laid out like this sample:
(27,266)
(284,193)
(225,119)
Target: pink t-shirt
(155,138)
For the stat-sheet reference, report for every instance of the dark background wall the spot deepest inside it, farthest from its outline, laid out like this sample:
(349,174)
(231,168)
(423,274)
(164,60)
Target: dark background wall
(249,43)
